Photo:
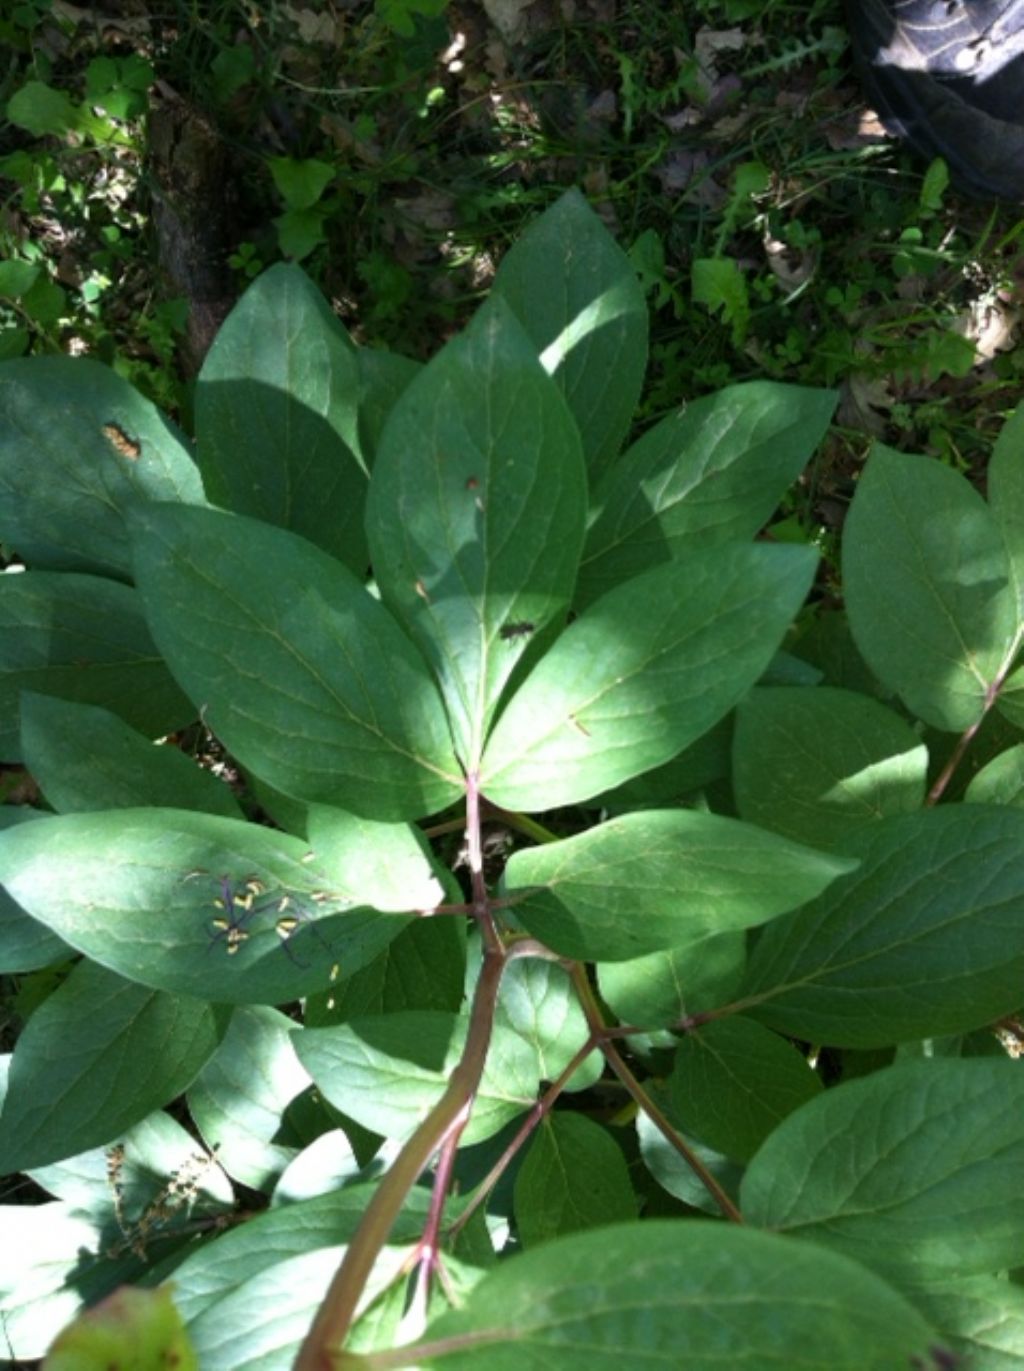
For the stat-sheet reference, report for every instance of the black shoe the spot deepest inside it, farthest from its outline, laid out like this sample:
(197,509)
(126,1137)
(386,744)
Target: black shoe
(948,75)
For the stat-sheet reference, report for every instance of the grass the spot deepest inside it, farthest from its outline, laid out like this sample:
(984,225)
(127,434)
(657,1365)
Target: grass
(723,142)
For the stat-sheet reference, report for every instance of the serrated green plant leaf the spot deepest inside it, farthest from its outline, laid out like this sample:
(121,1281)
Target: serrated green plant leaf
(818,765)
(913,1170)
(81,638)
(924,938)
(927,583)
(276,641)
(85,758)
(691,1294)
(277,416)
(574,1176)
(99,1055)
(650,881)
(79,448)
(142,892)
(575,292)
(643,673)
(709,474)
(476,513)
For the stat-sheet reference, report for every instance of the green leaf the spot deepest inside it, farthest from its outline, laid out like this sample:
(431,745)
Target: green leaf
(925,938)
(673,1173)
(17,277)
(688,1293)
(44,1246)
(537,1001)
(734,1081)
(210,1273)
(818,765)
(575,292)
(927,1152)
(140,1327)
(927,587)
(643,673)
(665,987)
(242,1092)
(325,1165)
(423,968)
(84,758)
(300,231)
(981,1318)
(132,1184)
(387,1071)
(278,642)
(81,638)
(711,473)
(476,513)
(391,865)
(79,448)
(574,1176)
(300,181)
(383,376)
(719,284)
(141,891)
(40,109)
(1004,478)
(1001,782)
(653,880)
(25,945)
(97,1056)
(276,406)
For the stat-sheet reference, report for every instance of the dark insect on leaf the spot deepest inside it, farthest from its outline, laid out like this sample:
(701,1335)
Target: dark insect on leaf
(120,442)
(522,629)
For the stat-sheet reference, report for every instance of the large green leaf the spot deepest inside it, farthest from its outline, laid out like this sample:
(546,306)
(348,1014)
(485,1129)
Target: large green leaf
(575,292)
(914,1170)
(306,678)
(206,1276)
(387,1071)
(142,892)
(476,513)
(925,938)
(97,1056)
(538,1002)
(423,968)
(664,987)
(574,1176)
(1004,478)
(817,765)
(239,1097)
(653,880)
(691,1294)
(733,1081)
(927,583)
(83,758)
(981,1318)
(25,944)
(81,638)
(277,414)
(711,473)
(79,447)
(391,865)
(643,673)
